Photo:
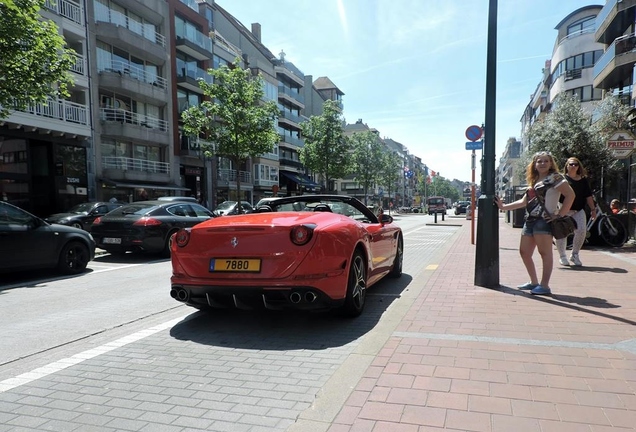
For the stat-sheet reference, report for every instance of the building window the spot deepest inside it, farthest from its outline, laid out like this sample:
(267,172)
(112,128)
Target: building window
(583,25)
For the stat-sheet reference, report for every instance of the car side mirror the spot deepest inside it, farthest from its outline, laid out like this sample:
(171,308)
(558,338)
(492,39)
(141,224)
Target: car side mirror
(386,219)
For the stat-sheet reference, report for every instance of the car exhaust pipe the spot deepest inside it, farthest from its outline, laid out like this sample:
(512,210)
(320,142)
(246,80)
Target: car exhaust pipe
(183,295)
(295,297)
(179,294)
(310,297)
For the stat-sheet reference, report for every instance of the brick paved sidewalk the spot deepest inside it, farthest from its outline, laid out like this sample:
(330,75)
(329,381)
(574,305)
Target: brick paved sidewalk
(468,358)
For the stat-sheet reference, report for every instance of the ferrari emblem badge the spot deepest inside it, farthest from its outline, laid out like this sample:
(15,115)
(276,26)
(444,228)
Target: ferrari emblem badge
(234,242)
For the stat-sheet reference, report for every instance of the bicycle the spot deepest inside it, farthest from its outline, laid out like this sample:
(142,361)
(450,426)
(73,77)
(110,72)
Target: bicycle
(609,228)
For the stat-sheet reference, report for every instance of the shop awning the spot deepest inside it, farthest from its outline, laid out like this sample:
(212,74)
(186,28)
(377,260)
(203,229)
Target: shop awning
(302,180)
(169,186)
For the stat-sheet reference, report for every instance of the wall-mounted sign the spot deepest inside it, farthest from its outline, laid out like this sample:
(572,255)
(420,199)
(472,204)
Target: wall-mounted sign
(621,144)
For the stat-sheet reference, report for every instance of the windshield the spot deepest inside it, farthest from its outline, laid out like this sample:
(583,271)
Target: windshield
(81,208)
(226,205)
(436,200)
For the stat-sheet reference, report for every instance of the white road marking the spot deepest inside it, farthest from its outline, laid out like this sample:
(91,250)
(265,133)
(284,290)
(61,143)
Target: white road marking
(59,365)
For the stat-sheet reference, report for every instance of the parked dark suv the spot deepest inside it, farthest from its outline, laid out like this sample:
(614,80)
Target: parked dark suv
(461,207)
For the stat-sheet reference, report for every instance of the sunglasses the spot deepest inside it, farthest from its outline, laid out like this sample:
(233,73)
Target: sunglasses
(573,164)
(542,153)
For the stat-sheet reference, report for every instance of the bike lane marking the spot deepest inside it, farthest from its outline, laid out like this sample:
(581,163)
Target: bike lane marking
(62,364)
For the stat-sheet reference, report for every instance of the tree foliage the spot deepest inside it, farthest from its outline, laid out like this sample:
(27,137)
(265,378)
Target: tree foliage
(566,132)
(326,149)
(368,153)
(34,60)
(440,186)
(390,171)
(240,124)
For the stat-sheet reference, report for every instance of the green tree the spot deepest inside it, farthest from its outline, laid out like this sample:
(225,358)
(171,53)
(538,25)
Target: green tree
(368,153)
(326,149)
(34,60)
(566,132)
(443,187)
(240,124)
(390,171)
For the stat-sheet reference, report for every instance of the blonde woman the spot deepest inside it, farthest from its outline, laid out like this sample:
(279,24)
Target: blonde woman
(546,185)
(576,175)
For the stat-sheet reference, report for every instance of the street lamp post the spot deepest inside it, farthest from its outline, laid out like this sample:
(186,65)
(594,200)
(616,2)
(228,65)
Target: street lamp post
(487,249)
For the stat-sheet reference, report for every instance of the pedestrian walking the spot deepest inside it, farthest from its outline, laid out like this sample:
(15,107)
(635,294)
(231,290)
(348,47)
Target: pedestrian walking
(541,199)
(576,175)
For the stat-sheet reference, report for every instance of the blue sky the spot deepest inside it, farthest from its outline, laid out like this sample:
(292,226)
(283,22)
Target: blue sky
(415,70)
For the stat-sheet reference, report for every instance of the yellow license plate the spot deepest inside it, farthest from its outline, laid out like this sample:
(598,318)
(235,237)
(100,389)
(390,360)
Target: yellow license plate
(235,265)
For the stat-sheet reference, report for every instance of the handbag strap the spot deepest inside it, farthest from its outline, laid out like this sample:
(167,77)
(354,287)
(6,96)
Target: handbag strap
(541,201)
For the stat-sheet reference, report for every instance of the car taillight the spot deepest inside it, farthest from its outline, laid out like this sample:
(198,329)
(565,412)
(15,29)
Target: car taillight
(182,237)
(147,221)
(97,221)
(301,234)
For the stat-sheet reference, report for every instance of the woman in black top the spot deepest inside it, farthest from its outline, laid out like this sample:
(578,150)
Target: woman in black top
(576,175)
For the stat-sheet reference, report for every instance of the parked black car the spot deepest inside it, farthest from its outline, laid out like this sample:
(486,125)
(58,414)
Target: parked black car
(461,206)
(146,226)
(28,242)
(82,215)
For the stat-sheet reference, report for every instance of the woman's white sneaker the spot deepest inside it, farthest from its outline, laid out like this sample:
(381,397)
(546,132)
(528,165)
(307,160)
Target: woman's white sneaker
(564,261)
(575,260)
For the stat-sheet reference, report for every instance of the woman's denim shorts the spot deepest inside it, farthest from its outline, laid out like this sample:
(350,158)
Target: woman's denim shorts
(536,226)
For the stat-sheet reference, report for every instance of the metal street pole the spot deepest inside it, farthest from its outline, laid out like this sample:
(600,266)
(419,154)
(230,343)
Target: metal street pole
(487,250)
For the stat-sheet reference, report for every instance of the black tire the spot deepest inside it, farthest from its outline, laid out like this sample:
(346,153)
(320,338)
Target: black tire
(356,286)
(612,231)
(77,225)
(166,249)
(74,258)
(396,270)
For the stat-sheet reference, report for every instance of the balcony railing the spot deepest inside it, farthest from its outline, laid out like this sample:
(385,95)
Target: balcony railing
(230,175)
(578,33)
(79,67)
(123,116)
(61,110)
(122,20)
(66,9)
(621,45)
(294,95)
(289,116)
(223,43)
(132,164)
(133,72)
(195,73)
(604,13)
(193,35)
(292,140)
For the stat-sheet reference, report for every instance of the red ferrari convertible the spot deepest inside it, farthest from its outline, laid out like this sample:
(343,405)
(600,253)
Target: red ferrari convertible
(307,252)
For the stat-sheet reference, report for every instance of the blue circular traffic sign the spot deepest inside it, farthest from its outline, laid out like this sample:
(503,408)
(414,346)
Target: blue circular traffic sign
(473,132)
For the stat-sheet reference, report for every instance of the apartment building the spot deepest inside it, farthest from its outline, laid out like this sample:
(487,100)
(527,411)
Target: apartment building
(614,72)
(44,149)
(191,55)
(131,99)
(570,70)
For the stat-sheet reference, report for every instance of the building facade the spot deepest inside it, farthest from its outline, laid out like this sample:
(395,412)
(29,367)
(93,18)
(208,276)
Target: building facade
(45,148)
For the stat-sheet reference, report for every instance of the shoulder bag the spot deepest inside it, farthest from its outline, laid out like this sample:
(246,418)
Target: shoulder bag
(562,226)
